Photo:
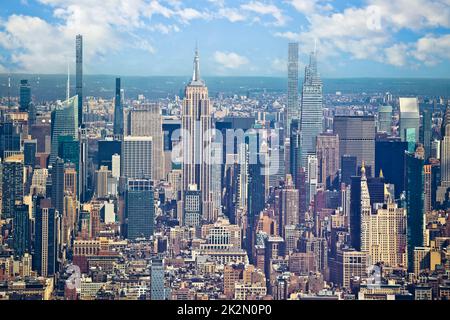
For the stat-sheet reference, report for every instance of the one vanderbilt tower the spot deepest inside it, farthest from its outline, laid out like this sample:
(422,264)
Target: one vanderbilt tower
(196,130)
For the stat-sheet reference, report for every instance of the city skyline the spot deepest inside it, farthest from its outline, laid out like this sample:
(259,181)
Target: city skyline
(221,189)
(402,39)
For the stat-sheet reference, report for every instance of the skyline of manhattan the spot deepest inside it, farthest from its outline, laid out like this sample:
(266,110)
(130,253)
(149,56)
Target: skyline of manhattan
(225,188)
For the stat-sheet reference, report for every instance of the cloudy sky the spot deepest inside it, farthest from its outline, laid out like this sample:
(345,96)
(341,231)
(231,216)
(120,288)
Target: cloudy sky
(355,38)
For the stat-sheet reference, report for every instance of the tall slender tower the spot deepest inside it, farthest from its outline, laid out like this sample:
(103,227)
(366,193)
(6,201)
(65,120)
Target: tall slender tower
(444,186)
(292,94)
(311,110)
(118,110)
(79,76)
(196,127)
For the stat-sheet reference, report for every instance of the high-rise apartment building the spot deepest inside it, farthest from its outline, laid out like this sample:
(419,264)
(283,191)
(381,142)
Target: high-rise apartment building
(292,93)
(118,111)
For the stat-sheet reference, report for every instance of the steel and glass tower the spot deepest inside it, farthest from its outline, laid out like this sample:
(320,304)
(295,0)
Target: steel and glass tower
(64,123)
(311,109)
(79,76)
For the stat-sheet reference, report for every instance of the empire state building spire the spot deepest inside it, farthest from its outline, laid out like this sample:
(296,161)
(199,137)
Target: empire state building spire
(196,80)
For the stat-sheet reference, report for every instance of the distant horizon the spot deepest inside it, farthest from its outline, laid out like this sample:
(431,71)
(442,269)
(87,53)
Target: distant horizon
(224,76)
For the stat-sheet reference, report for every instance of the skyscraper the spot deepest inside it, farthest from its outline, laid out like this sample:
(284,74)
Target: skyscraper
(390,161)
(312,176)
(414,185)
(140,208)
(385,235)
(25,95)
(157,289)
(118,111)
(196,126)
(79,76)
(64,123)
(292,93)
(328,158)
(12,184)
(21,230)
(358,217)
(147,121)
(425,132)
(45,250)
(409,117)
(311,109)
(289,205)
(384,119)
(442,192)
(357,138)
(136,159)
(192,216)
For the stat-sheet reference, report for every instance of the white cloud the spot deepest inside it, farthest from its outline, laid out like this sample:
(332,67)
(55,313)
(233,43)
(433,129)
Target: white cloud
(232,14)
(279,65)
(266,9)
(310,6)
(107,27)
(432,49)
(396,55)
(289,35)
(164,29)
(370,32)
(230,60)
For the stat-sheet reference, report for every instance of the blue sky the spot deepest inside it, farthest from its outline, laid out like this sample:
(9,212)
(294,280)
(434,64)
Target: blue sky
(355,38)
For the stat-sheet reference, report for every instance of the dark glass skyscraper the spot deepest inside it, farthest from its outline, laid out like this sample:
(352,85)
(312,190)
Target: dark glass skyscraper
(140,208)
(118,110)
(390,161)
(79,76)
(356,138)
(25,95)
(425,132)
(21,230)
(414,184)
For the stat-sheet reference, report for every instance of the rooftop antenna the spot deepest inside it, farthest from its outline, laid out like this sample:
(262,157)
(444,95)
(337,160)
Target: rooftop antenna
(68,82)
(315,45)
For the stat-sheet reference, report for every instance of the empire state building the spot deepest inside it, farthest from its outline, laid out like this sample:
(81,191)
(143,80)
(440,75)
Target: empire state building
(196,139)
